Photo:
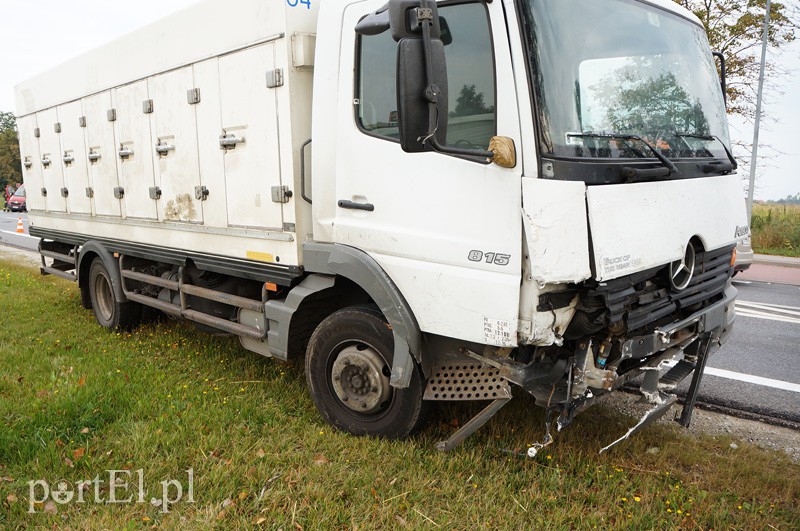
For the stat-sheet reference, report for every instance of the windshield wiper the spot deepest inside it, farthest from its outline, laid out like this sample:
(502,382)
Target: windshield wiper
(635,173)
(711,168)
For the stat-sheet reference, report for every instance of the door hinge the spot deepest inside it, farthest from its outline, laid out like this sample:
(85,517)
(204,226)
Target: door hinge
(275,78)
(193,96)
(281,194)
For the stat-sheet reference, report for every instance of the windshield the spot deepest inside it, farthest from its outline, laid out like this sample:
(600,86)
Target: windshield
(20,192)
(615,68)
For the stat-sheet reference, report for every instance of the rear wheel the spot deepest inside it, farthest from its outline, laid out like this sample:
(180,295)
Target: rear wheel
(348,368)
(108,310)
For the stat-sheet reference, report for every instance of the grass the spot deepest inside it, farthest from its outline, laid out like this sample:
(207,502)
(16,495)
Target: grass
(76,401)
(776,229)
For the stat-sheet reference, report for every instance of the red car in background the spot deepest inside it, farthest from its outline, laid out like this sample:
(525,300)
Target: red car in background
(17,201)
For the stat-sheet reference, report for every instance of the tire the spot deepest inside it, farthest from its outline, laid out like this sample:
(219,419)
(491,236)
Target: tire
(110,312)
(348,365)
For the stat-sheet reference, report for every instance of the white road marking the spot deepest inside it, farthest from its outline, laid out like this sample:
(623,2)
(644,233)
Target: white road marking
(747,378)
(767,316)
(770,312)
(758,380)
(741,281)
(775,307)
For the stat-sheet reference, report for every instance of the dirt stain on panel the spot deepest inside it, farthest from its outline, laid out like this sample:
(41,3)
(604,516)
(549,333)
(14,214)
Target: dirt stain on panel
(180,209)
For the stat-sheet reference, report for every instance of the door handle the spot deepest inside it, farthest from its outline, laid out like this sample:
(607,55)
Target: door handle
(164,149)
(369,207)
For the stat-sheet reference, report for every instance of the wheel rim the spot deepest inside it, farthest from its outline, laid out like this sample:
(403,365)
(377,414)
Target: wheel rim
(360,379)
(104,298)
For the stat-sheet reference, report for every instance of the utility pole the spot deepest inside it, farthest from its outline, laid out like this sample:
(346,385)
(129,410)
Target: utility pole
(754,158)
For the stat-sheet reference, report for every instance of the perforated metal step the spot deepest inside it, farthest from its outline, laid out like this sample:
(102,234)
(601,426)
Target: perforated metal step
(676,374)
(466,381)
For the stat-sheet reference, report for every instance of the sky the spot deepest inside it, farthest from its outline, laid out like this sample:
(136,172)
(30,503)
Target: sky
(45,33)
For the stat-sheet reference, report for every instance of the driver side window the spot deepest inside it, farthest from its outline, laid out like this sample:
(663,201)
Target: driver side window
(470,77)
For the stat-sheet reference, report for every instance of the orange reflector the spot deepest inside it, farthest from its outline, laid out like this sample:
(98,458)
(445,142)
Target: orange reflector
(270,286)
(733,257)
(116,255)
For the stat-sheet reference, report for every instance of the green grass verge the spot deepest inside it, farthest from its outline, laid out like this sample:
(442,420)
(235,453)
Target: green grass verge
(76,401)
(776,229)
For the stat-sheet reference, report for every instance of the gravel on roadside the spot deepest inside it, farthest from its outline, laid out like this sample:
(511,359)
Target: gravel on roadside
(712,423)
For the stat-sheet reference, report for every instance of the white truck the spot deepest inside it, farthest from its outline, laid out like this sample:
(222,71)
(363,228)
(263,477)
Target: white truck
(527,193)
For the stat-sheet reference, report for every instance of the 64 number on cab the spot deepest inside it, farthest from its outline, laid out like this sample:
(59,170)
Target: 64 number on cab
(298,3)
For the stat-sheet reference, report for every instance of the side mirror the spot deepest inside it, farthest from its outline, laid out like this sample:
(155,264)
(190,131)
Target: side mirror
(417,118)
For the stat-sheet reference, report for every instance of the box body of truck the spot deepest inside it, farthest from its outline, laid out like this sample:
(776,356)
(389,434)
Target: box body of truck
(175,169)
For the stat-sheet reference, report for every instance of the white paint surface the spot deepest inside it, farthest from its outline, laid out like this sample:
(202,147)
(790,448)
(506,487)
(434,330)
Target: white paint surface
(635,227)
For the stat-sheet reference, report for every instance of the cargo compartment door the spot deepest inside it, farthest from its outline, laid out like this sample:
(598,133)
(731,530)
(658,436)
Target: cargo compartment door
(31,163)
(102,155)
(52,164)
(174,134)
(132,130)
(73,149)
(249,139)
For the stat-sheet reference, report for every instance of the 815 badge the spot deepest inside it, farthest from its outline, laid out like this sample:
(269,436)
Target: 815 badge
(489,258)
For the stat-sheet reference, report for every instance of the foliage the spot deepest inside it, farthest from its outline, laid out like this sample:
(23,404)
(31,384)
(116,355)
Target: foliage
(655,106)
(776,228)
(76,401)
(790,200)
(470,102)
(735,28)
(10,163)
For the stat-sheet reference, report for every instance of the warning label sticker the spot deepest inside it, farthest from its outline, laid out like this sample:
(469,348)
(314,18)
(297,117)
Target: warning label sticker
(498,332)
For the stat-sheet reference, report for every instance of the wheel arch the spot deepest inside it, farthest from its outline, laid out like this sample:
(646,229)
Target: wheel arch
(333,261)
(91,250)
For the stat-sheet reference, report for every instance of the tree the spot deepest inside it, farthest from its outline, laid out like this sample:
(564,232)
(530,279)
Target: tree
(735,28)
(470,102)
(10,164)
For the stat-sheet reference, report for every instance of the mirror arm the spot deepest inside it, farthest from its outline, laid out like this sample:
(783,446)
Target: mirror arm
(722,74)
(432,92)
(465,152)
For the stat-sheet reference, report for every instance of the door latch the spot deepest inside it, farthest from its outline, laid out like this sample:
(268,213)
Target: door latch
(200,193)
(281,194)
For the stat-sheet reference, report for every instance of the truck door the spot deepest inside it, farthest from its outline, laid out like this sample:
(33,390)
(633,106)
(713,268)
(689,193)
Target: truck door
(132,131)
(102,154)
(446,229)
(52,164)
(250,131)
(31,163)
(174,129)
(73,150)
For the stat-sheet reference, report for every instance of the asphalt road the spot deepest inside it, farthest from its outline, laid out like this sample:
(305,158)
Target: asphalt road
(758,369)
(9,234)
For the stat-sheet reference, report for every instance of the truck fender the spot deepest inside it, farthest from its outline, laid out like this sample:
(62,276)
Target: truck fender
(360,268)
(88,250)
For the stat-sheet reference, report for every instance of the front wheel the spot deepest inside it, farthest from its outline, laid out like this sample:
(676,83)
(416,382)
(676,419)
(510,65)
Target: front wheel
(348,368)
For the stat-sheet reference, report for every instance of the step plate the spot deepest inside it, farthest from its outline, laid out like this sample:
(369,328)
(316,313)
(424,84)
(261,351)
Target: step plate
(466,381)
(676,375)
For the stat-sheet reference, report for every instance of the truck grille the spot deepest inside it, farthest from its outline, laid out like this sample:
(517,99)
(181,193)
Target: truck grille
(647,298)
